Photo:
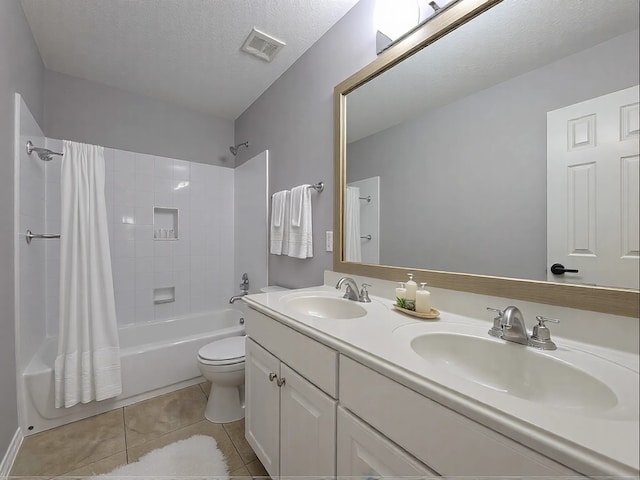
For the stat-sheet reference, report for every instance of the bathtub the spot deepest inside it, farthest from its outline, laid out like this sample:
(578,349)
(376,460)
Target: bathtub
(156,358)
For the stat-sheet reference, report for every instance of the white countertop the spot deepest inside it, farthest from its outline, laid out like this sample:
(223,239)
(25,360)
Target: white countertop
(592,443)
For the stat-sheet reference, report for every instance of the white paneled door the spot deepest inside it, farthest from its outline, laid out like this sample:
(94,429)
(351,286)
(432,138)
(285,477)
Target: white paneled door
(307,429)
(262,422)
(593,191)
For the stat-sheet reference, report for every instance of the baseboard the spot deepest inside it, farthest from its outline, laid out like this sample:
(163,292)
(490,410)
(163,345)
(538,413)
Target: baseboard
(10,455)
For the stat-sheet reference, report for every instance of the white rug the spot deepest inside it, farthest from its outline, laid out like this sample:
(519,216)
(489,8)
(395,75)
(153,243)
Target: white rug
(196,457)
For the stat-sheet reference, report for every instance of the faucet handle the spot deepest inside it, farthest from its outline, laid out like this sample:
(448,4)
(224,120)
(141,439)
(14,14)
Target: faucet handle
(364,294)
(541,336)
(541,320)
(496,330)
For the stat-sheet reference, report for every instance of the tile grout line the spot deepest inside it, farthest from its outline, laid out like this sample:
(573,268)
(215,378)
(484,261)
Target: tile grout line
(194,422)
(224,427)
(126,442)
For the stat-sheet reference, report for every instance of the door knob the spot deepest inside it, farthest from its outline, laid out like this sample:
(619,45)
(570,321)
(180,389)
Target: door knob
(558,269)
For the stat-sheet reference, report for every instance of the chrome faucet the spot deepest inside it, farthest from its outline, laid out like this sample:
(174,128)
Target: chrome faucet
(351,292)
(238,297)
(509,325)
(513,328)
(244,289)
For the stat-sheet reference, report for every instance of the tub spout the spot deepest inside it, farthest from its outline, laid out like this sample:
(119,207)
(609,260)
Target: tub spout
(237,297)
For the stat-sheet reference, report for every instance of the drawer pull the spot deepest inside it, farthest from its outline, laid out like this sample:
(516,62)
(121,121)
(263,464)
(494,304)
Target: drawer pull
(272,377)
(281,382)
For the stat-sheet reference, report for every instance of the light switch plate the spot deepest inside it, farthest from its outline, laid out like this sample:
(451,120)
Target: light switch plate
(329,241)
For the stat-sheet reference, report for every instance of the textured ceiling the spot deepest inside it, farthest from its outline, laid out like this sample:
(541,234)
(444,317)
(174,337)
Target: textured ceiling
(183,51)
(512,38)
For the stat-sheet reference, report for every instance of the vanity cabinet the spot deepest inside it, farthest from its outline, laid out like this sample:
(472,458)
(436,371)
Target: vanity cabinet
(290,422)
(450,443)
(262,410)
(365,453)
(310,410)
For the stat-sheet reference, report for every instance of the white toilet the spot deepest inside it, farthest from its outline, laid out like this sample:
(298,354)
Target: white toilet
(222,363)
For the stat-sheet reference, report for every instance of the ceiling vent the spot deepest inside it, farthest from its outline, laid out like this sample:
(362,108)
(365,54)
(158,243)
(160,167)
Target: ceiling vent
(262,45)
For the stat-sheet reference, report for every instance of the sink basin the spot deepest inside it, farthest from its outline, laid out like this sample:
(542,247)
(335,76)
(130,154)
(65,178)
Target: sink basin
(522,372)
(325,307)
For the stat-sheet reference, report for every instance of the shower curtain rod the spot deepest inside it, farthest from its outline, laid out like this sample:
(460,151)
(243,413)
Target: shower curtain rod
(44,153)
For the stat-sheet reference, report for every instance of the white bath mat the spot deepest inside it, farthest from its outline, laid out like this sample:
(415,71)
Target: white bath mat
(195,457)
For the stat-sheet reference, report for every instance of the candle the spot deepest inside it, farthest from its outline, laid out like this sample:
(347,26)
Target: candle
(423,300)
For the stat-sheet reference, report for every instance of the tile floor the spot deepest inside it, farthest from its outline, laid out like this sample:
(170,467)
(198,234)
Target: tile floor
(99,444)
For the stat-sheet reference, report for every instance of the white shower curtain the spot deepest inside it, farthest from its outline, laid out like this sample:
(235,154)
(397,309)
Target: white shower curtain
(88,363)
(353,249)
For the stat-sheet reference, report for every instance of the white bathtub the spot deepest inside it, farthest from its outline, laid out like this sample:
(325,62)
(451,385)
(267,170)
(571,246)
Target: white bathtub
(156,358)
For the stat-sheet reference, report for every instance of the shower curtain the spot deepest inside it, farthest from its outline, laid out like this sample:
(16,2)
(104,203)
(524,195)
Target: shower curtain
(88,363)
(353,249)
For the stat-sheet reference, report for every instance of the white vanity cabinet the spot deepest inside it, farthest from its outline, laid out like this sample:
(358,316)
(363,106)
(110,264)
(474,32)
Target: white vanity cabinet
(450,443)
(290,422)
(365,453)
(262,410)
(312,411)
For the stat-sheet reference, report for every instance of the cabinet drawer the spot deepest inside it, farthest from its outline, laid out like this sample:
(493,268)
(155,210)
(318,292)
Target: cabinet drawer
(314,361)
(365,453)
(448,442)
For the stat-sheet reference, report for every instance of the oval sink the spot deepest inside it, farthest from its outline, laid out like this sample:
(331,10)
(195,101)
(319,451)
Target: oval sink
(520,371)
(325,307)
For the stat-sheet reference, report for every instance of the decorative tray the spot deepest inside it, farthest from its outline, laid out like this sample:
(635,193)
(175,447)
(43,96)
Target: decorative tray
(432,315)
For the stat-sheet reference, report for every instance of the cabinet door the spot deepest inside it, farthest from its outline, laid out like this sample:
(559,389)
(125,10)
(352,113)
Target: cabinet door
(262,422)
(307,428)
(365,453)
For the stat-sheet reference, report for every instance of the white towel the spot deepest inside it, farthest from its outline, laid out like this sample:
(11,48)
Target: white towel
(301,235)
(278,221)
(297,199)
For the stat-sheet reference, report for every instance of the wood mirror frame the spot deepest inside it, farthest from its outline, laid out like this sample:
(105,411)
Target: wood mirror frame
(599,299)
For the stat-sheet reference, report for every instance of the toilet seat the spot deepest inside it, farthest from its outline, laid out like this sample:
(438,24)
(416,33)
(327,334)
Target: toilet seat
(228,351)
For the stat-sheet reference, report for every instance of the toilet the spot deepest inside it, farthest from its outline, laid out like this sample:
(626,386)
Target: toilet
(222,363)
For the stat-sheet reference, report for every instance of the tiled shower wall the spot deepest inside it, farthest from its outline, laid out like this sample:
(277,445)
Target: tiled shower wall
(199,264)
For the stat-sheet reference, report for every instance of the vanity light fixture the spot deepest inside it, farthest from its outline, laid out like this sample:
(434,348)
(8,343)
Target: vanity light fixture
(396,19)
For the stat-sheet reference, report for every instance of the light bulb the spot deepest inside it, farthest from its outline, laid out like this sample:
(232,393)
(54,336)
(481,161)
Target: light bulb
(394,18)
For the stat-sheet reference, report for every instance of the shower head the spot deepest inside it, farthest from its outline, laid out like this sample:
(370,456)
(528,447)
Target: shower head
(234,150)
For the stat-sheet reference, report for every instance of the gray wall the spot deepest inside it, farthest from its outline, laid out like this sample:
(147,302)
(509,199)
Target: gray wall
(293,119)
(90,112)
(463,188)
(21,70)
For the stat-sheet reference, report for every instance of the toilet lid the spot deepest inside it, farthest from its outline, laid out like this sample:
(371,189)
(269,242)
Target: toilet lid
(227,349)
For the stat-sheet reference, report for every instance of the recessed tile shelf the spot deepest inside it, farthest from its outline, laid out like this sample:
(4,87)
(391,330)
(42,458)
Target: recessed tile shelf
(165,223)
(164,295)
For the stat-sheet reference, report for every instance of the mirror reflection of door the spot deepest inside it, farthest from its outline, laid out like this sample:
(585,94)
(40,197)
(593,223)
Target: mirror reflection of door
(593,186)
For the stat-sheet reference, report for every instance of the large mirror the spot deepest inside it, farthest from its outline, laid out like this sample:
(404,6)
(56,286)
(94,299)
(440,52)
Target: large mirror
(505,145)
